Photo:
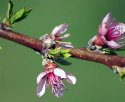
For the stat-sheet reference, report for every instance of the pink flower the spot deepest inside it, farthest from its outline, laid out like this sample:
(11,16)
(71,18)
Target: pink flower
(57,32)
(111,34)
(56,37)
(53,77)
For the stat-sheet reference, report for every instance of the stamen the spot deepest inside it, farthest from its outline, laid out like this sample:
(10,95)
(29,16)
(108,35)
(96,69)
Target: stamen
(58,89)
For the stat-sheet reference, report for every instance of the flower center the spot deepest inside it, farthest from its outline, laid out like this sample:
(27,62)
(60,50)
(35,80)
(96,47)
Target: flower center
(58,89)
(57,85)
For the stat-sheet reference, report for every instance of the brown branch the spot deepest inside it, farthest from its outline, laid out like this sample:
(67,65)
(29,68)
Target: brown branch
(21,39)
(80,53)
(109,60)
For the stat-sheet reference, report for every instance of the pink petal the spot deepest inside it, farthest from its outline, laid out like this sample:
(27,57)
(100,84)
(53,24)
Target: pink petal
(107,19)
(68,46)
(59,38)
(114,45)
(105,22)
(102,30)
(111,44)
(121,28)
(41,87)
(59,29)
(40,76)
(71,79)
(59,72)
(64,36)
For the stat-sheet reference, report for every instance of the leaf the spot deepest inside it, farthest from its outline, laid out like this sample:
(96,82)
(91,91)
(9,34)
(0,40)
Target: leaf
(55,52)
(62,61)
(122,73)
(58,52)
(66,55)
(24,15)
(9,10)
(51,56)
(20,15)
(122,76)
(27,12)
(17,16)
(108,51)
(65,51)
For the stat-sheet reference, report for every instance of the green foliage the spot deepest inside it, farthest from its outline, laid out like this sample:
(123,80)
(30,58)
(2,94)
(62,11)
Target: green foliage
(13,18)
(9,10)
(58,52)
(122,73)
(57,55)
(108,51)
(62,61)
(19,15)
(55,52)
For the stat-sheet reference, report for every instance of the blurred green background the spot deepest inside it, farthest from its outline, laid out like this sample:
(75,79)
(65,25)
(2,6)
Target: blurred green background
(19,66)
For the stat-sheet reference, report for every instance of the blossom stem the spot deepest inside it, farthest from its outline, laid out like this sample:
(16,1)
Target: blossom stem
(80,53)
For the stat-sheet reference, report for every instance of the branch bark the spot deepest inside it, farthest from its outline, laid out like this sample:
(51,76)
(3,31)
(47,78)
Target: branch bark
(80,53)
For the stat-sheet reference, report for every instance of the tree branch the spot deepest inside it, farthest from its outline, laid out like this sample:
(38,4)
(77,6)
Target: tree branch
(80,53)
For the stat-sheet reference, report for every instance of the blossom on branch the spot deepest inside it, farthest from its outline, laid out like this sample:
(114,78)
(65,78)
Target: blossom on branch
(111,34)
(50,40)
(53,76)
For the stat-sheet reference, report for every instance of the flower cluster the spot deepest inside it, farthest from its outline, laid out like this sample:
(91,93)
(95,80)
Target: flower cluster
(111,34)
(53,76)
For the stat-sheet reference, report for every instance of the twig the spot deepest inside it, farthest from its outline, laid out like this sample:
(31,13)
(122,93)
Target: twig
(80,53)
